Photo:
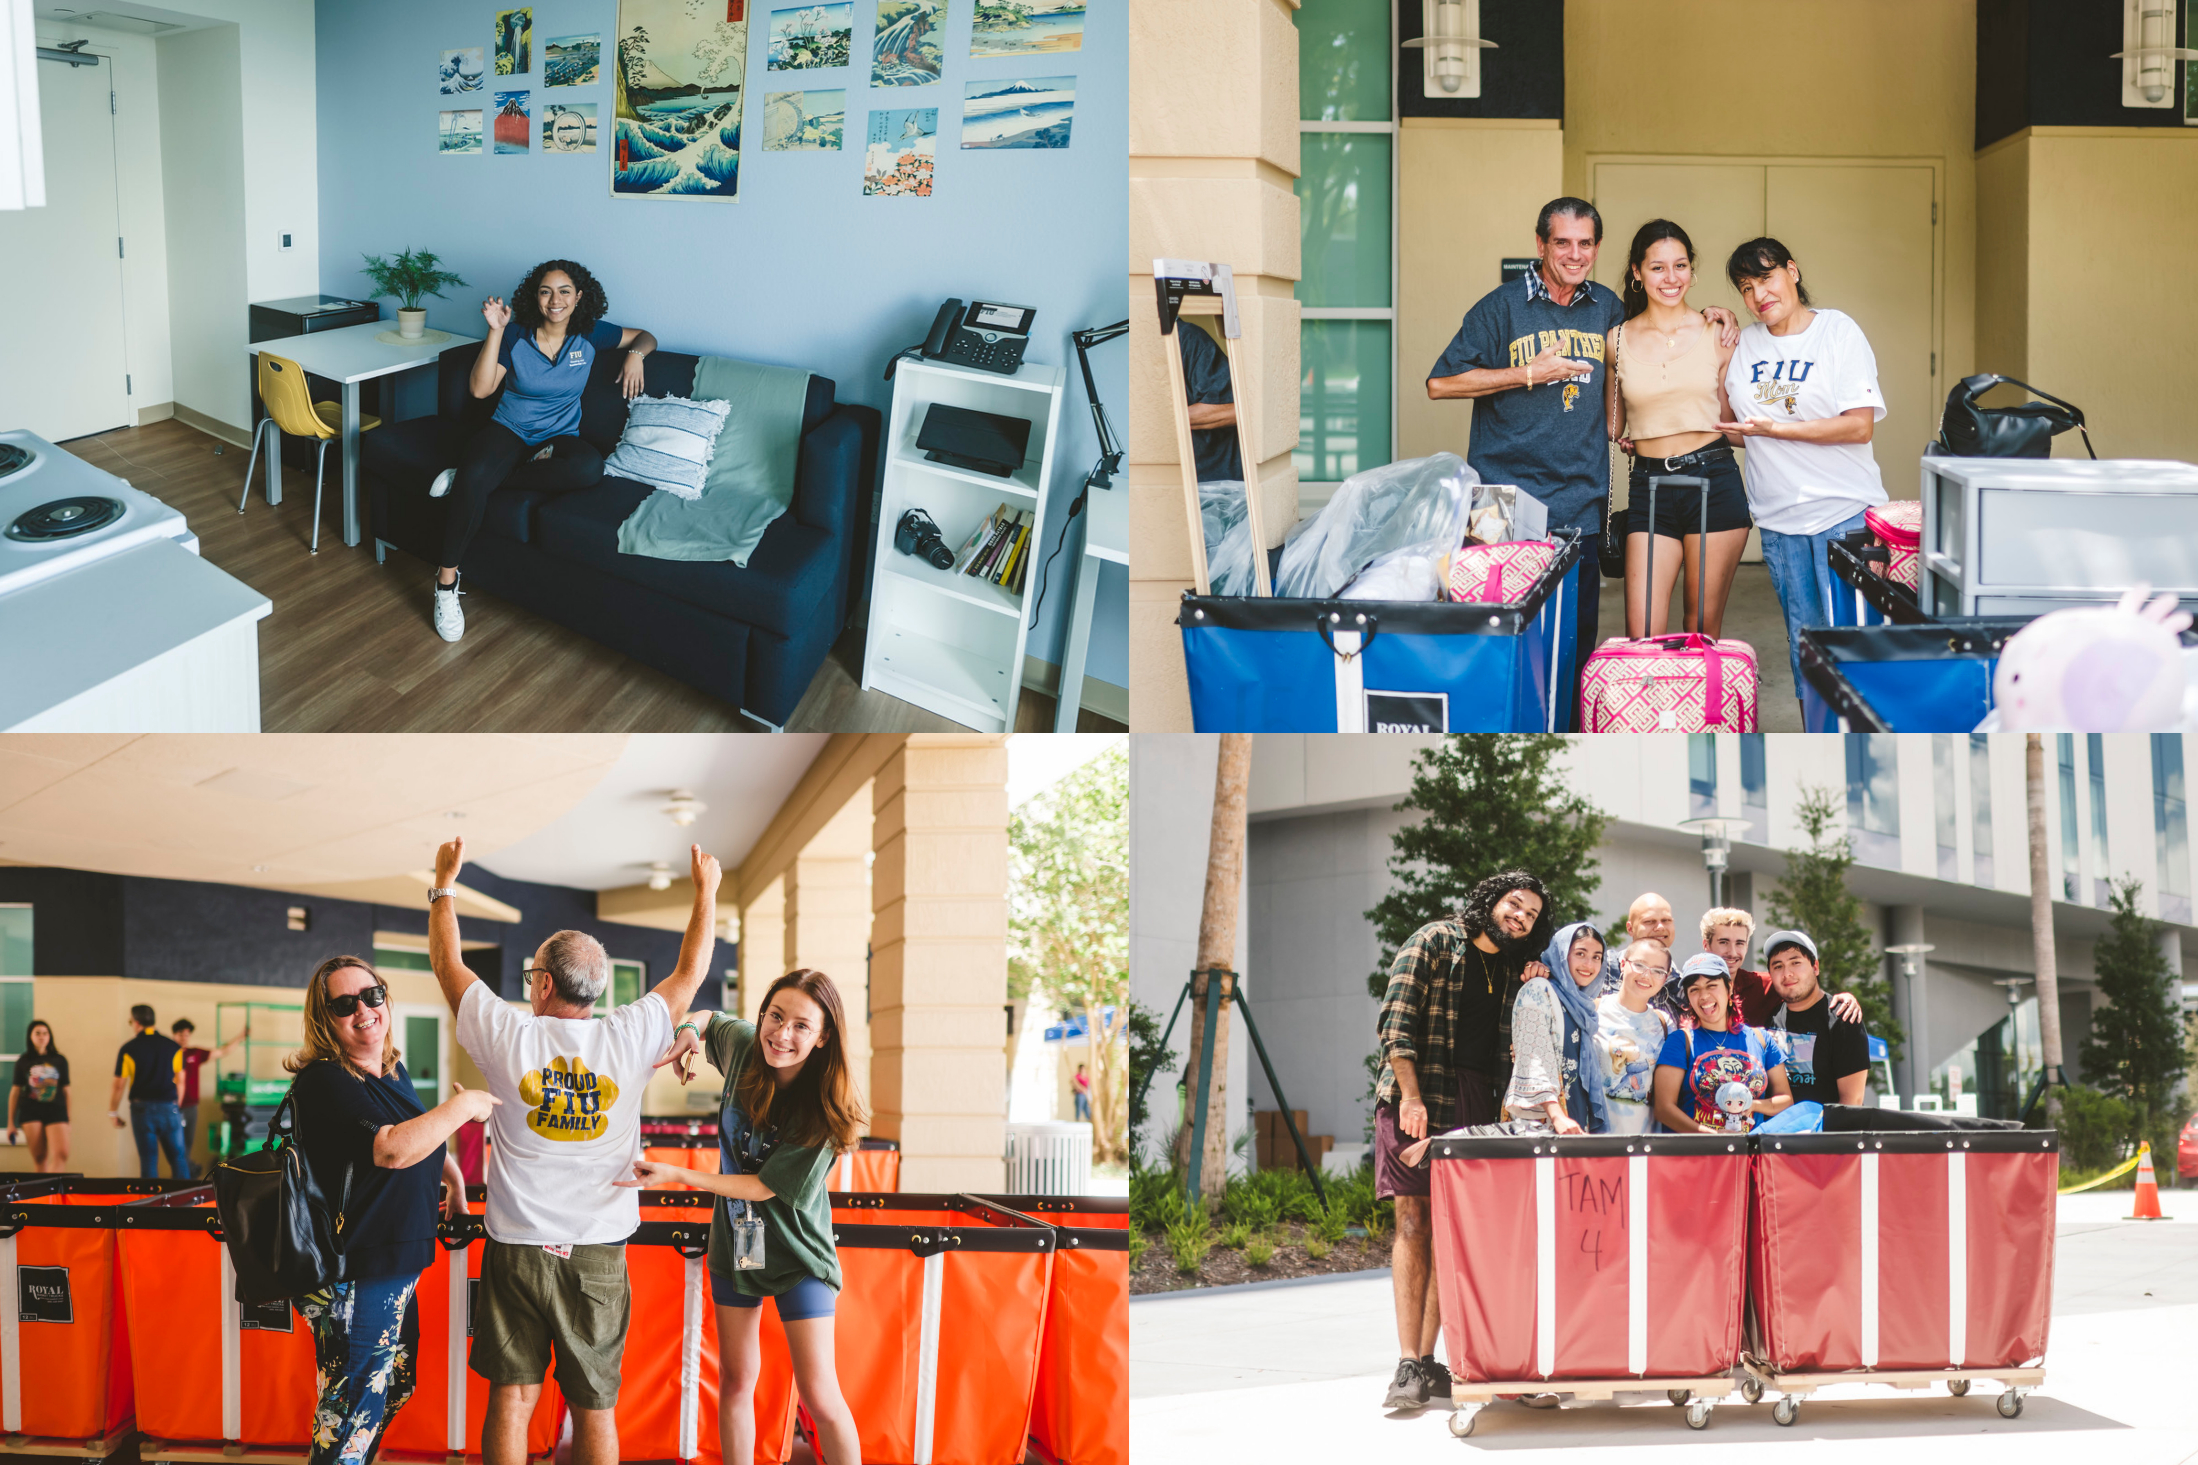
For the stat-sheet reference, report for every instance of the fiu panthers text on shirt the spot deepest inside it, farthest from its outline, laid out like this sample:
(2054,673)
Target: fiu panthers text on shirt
(567,1102)
(1576,344)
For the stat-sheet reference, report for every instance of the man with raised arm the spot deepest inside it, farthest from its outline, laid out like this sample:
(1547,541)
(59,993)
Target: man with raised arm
(554,1274)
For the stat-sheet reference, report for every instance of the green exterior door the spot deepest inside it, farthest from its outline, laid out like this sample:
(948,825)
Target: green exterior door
(423,1048)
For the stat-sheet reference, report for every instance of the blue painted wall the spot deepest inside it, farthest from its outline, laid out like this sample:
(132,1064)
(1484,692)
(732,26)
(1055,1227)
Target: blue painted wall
(801,269)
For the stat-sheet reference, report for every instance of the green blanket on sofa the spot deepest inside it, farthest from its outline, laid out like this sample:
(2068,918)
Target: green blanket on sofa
(751,473)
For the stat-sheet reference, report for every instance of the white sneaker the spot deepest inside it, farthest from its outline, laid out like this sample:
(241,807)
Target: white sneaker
(450,617)
(441,486)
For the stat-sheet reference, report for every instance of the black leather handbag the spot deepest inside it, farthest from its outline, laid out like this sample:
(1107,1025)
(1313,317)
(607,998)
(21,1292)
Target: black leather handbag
(2027,431)
(285,1237)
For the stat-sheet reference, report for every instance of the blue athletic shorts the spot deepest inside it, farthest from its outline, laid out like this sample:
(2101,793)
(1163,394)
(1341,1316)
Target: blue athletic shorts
(806,1299)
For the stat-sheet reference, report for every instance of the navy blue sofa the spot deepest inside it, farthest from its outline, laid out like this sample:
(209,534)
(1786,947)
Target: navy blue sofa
(752,637)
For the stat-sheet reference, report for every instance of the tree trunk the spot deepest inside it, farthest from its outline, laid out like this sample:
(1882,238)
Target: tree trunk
(2041,923)
(1217,949)
(1105,1142)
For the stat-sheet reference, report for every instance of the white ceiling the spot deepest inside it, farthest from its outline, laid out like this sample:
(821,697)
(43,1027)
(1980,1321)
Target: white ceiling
(609,837)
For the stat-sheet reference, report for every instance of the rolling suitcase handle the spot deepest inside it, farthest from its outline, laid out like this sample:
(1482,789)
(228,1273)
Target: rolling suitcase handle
(1713,685)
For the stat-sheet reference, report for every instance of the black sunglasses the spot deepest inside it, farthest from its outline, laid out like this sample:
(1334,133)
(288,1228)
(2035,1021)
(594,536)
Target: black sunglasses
(348,1004)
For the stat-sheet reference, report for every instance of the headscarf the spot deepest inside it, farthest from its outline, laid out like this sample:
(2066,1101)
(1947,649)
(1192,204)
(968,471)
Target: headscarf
(1578,1003)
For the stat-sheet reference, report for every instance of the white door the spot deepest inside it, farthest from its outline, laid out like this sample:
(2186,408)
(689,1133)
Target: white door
(64,374)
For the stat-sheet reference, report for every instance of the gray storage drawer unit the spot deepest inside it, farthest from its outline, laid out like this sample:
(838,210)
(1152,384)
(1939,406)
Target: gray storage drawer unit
(2023,536)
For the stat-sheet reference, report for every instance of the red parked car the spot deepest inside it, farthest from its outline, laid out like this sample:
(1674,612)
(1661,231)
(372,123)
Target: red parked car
(2186,1153)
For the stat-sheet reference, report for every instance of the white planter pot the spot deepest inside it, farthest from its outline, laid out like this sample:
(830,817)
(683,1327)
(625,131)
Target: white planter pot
(411,322)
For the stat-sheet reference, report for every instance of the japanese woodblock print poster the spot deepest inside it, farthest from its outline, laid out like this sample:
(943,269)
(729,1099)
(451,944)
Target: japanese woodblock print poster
(512,122)
(906,51)
(572,60)
(812,36)
(1026,27)
(804,122)
(514,42)
(568,127)
(461,71)
(460,132)
(899,155)
(678,66)
(1024,112)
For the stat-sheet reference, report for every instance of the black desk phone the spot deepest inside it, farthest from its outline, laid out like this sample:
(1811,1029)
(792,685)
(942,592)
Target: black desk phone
(985,335)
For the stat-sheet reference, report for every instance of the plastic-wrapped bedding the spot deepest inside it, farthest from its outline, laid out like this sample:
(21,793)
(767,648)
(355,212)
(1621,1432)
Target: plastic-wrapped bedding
(1419,504)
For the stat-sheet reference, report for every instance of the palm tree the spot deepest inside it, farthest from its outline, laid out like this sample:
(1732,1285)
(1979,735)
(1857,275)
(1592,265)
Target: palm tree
(2041,924)
(1217,951)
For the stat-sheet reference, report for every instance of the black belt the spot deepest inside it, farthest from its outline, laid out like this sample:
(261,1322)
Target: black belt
(1717,452)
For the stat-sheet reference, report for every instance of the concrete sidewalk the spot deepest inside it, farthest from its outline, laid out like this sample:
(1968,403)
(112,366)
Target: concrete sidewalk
(1296,1372)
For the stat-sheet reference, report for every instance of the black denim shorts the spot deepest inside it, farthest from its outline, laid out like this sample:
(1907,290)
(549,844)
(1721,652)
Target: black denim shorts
(1679,506)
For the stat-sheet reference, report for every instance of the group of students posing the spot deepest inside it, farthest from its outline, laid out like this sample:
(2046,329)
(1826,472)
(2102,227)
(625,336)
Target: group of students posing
(563,1110)
(1495,1024)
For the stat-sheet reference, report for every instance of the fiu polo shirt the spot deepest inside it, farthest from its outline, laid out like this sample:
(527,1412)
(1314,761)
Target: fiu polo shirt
(542,396)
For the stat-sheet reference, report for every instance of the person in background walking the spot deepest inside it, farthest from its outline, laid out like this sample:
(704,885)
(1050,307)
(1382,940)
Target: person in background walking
(38,1104)
(364,1137)
(1445,1035)
(193,1060)
(150,1067)
(1080,1092)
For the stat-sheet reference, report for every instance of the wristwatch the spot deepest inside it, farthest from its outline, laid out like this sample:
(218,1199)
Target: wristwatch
(439,892)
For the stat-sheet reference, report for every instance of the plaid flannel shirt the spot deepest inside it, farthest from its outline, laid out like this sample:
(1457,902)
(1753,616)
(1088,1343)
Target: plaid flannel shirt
(1423,1007)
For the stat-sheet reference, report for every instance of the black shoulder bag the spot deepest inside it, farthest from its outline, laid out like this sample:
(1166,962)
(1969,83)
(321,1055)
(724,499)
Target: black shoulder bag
(283,1235)
(2027,431)
(1611,551)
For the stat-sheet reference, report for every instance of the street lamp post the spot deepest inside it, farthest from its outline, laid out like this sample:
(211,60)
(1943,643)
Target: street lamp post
(1716,849)
(1911,956)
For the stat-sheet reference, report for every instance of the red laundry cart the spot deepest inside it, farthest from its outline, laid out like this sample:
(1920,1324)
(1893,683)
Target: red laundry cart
(1080,1415)
(1549,1281)
(1902,1257)
(64,1345)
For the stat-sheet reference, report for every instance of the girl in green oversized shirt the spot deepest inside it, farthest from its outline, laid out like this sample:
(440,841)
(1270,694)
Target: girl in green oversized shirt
(790,1110)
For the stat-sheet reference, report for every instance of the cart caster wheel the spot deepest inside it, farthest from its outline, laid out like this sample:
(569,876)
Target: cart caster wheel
(1752,1390)
(1786,1410)
(1678,1396)
(2010,1404)
(1957,1387)
(1461,1422)
(1698,1414)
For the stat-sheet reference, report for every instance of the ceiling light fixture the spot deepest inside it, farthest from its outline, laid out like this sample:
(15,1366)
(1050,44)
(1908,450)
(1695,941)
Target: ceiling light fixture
(660,876)
(684,808)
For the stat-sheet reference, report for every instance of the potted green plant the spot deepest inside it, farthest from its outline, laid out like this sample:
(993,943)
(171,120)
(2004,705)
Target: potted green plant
(409,276)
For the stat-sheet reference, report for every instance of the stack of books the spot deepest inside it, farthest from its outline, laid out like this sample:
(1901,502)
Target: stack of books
(999,550)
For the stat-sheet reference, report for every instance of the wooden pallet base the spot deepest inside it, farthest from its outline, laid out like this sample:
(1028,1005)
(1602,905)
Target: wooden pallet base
(1716,1387)
(80,1449)
(205,1452)
(1802,1384)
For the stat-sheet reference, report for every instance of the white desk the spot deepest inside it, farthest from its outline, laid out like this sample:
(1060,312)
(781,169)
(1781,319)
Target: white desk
(1106,539)
(351,355)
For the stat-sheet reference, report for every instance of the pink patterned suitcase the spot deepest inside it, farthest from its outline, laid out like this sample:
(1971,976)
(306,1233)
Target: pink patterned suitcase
(1499,574)
(1899,527)
(1684,683)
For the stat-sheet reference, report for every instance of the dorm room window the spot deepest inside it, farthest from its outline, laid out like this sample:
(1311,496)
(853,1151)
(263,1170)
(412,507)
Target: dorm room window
(1873,798)
(1346,188)
(1980,805)
(1942,797)
(2171,827)
(2065,747)
(2102,885)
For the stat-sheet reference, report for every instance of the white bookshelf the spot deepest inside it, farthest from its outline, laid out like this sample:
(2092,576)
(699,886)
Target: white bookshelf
(946,641)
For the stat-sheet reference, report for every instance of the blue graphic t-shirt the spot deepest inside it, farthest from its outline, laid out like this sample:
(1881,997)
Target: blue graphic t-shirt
(1706,1059)
(542,397)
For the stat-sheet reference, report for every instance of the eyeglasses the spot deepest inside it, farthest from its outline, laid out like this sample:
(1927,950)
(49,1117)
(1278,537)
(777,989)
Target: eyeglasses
(530,973)
(348,1004)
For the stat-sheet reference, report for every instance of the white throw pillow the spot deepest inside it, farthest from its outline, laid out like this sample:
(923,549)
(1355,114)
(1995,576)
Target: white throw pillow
(667,443)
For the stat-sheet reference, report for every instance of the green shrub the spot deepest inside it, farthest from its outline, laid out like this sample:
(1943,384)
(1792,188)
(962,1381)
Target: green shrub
(1331,1227)
(1139,1245)
(1235,1235)
(1188,1242)
(1260,1250)
(1317,1248)
(2093,1128)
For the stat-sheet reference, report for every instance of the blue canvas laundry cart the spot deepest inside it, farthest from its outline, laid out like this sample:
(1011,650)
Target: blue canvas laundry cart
(1861,598)
(1935,677)
(1260,664)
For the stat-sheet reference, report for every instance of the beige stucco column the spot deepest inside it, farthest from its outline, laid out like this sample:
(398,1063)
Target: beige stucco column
(1213,164)
(827,919)
(762,946)
(938,966)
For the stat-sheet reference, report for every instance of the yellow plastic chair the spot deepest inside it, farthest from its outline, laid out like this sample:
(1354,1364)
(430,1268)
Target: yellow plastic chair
(291,409)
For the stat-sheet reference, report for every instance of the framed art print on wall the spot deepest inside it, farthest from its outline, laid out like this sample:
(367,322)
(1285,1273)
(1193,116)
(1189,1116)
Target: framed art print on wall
(678,68)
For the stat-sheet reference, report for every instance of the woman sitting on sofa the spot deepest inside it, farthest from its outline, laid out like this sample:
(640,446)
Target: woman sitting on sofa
(533,439)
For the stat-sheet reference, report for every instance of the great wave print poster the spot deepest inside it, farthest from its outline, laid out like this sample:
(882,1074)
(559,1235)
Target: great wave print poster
(678,67)
(1022,112)
(461,71)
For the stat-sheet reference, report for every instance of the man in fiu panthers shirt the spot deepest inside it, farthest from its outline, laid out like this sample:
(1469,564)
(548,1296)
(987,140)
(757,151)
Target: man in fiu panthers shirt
(1530,356)
(567,1123)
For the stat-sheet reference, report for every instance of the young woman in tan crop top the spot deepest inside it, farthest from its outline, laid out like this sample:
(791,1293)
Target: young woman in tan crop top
(1669,368)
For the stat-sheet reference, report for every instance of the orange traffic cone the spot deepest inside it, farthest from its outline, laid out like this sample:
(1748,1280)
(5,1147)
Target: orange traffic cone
(2148,1193)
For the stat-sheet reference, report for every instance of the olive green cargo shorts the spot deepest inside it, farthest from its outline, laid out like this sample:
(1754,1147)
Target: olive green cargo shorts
(533,1300)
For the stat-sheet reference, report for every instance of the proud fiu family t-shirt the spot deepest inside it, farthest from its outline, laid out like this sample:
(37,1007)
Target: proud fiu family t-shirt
(570,1120)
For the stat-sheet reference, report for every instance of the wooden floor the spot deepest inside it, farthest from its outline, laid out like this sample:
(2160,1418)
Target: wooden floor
(349,646)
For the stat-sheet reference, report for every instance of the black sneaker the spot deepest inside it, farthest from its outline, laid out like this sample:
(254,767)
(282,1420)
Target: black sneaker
(1435,1378)
(1408,1390)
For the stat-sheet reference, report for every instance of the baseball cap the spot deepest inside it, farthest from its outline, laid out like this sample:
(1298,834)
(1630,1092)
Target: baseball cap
(1703,964)
(1777,939)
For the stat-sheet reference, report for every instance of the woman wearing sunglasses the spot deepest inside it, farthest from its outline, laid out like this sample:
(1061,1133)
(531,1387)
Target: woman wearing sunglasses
(790,1111)
(362,1132)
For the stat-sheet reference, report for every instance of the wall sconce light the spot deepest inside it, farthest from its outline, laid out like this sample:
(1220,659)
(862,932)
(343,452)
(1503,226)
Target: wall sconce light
(1450,47)
(2149,53)
(300,918)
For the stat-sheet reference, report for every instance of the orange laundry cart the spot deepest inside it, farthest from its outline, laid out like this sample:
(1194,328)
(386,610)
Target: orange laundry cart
(873,1165)
(941,1325)
(674,1139)
(64,1347)
(667,1394)
(1080,1415)
(449,1400)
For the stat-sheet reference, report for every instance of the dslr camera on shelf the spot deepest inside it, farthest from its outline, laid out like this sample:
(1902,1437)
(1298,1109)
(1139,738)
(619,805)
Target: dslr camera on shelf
(916,534)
